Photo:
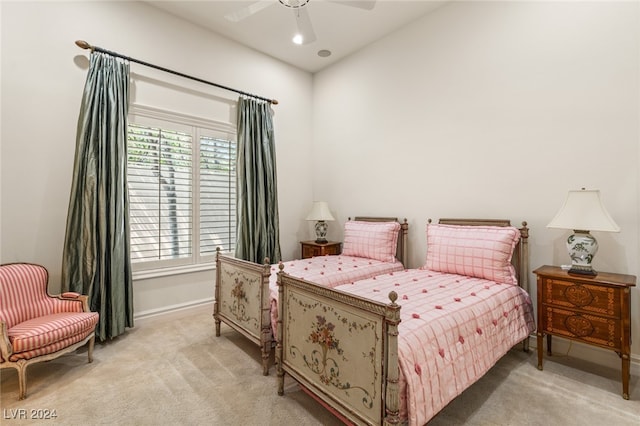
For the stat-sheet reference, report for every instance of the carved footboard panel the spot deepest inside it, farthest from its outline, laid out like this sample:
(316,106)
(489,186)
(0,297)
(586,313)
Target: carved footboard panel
(342,348)
(242,301)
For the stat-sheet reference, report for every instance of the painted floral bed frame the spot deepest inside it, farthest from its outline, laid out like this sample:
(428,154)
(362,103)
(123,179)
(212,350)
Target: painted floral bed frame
(343,349)
(242,297)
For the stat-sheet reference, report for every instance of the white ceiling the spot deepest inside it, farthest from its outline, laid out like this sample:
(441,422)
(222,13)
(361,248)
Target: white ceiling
(339,28)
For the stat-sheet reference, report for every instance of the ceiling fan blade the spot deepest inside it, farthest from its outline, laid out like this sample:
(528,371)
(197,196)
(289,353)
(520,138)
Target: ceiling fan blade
(305,28)
(360,4)
(247,11)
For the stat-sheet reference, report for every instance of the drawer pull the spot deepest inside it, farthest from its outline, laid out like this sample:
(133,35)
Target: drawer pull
(578,295)
(579,326)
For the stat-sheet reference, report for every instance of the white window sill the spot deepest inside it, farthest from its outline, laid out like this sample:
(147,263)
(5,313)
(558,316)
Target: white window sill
(174,270)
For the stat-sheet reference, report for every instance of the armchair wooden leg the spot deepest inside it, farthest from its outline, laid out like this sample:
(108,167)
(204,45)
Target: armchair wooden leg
(22,379)
(91,343)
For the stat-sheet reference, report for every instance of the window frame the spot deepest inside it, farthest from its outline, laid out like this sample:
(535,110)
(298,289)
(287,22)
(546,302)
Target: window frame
(198,127)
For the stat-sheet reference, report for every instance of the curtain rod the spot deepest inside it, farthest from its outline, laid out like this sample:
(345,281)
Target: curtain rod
(84,45)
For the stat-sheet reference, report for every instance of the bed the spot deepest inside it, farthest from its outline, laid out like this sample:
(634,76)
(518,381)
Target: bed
(246,292)
(392,350)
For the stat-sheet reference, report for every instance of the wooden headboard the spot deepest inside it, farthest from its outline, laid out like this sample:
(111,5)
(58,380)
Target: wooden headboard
(402,253)
(520,258)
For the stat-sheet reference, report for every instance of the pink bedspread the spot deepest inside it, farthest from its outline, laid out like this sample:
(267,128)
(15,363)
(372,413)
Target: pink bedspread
(453,330)
(329,271)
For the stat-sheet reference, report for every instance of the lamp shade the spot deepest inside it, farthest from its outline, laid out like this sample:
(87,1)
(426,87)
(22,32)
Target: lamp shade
(320,211)
(583,210)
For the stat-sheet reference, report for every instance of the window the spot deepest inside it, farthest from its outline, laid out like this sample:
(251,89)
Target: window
(181,177)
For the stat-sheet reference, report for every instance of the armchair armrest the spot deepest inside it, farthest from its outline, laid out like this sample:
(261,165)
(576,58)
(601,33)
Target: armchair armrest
(5,345)
(72,295)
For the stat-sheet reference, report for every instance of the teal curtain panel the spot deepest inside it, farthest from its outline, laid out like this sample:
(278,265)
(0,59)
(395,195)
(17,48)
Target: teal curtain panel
(96,257)
(258,235)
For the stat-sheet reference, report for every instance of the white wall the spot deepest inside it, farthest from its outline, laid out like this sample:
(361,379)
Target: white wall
(490,109)
(42,79)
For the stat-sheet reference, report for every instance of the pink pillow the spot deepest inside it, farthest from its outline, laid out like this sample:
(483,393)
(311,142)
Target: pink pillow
(372,240)
(474,251)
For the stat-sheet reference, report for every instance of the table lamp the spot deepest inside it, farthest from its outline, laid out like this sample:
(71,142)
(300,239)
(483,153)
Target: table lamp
(582,212)
(320,213)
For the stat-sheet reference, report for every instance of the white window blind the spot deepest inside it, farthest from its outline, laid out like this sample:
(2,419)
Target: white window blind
(217,194)
(181,180)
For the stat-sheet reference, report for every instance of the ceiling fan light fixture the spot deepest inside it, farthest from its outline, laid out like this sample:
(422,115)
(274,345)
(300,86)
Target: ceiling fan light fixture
(294,4)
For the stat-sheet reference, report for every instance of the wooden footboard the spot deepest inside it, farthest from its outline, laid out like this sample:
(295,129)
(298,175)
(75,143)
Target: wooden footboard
(342,348)
(242,301)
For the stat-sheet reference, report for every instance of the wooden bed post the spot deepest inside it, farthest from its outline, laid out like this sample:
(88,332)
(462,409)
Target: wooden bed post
(404,256)
(524,257)
(392,396)
(265,331)
(217,294)
(279,369)
(524,269)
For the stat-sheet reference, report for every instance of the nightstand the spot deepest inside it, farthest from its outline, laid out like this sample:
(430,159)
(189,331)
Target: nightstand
(311,248)
(587,309)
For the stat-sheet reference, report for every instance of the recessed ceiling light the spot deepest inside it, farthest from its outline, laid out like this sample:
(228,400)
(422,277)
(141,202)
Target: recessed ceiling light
(298,39)
(324,53)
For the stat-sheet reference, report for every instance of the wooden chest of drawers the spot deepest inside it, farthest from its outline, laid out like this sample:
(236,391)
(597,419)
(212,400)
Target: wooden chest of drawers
(311,248)
(591,310)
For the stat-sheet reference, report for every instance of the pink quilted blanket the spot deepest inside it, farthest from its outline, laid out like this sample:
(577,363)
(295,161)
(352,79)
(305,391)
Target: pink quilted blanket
(453,330)
(329,271)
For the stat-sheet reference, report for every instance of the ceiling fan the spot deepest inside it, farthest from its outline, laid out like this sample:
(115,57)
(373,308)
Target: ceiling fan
(305,33)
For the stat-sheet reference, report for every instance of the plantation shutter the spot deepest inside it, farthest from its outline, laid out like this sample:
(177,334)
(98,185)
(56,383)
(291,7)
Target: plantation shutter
(217,194)
(160,179)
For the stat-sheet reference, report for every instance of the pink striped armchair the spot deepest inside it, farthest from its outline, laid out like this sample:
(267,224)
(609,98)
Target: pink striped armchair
(35,326)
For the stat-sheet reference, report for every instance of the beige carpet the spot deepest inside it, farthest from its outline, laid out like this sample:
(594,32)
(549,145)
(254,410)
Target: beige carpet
(173,370)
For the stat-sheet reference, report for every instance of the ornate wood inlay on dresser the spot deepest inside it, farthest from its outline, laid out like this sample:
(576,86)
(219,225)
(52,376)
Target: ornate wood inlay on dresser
(311,248)
(595,310)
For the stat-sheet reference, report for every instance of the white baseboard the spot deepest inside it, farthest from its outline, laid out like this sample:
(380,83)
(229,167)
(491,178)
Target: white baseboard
(179,308)
(589,353)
